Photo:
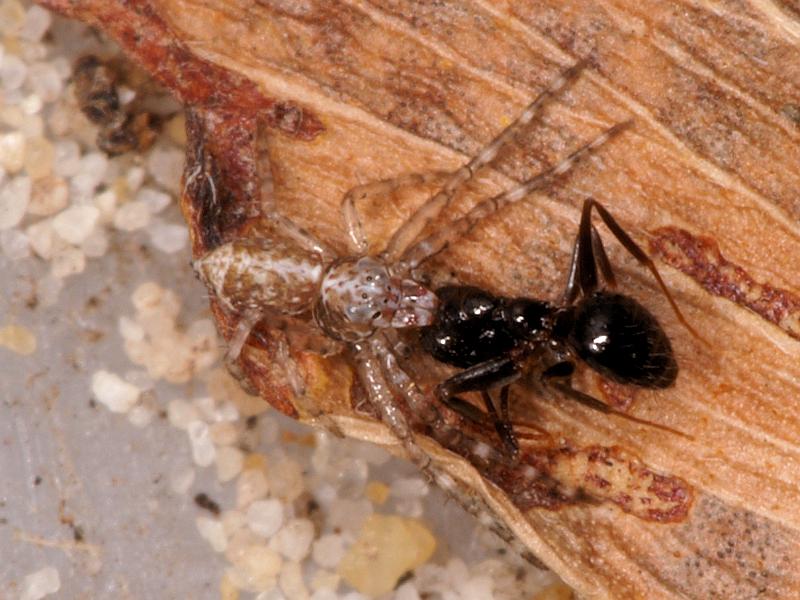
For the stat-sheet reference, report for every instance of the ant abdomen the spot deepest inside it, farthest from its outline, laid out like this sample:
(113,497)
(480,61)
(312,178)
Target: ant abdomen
(620,339)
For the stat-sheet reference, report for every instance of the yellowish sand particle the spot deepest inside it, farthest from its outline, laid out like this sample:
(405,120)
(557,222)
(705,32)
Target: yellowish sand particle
(18,339)
(387,547)
(176,129)
(255,460)
(377,492)
(228,591)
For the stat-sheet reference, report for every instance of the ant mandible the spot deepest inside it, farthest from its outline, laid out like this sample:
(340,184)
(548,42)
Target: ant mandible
(497,340)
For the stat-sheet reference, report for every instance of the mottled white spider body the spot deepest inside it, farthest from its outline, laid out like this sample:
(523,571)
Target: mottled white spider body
(350,298)
(247,276)
(358,299)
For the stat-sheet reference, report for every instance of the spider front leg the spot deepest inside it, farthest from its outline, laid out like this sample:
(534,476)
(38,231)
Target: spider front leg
(490,462)
(406,234)
(369,193)
(424,412)
(382,399)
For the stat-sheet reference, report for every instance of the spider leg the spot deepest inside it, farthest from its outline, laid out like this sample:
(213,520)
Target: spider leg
(490,373)
(559,377)
(481,456)
(357,239)
(438,241)
(240,335)
(407,232)
(448,436)
(383,401)
(269,208)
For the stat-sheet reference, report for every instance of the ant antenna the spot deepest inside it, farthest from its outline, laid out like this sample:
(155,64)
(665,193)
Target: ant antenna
(595,404)
(632,247)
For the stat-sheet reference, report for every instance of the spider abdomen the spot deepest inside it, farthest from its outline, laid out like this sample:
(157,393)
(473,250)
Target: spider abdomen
(249,276)
(620,339)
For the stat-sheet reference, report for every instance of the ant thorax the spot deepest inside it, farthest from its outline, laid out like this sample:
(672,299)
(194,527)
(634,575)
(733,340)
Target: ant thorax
(359,295)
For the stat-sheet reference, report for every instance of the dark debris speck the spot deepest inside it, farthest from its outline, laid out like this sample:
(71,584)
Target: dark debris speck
(205,502)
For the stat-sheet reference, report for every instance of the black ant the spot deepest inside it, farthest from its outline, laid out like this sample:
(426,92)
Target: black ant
(497,340)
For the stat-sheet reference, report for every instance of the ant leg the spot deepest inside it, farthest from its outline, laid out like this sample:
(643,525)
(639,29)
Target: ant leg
(356,238)
(572,289)
(639,254)
(474,414)
(407,232)
(559,377)
(481,377)
(428,414)
(465,409)
(502,425)
(490,373)
(504,404)
(438,241)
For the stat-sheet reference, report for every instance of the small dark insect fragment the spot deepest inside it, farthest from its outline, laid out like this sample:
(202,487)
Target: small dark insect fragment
(792,112)
(203,501)
(122,129)
(77,533)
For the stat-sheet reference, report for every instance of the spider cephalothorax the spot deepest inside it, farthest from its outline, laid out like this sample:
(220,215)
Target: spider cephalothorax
(359,295)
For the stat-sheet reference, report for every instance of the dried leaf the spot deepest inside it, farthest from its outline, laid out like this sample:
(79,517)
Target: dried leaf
(708,176)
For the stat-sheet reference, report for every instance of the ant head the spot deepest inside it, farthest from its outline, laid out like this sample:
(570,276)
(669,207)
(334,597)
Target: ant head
(529,319)
(464,303)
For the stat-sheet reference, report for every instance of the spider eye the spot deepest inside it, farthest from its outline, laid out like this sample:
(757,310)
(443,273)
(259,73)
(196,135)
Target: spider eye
(376,315)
